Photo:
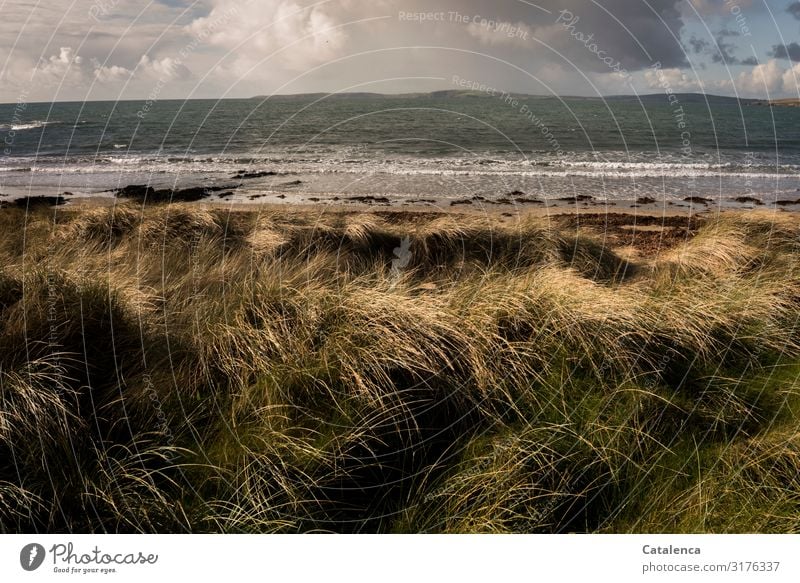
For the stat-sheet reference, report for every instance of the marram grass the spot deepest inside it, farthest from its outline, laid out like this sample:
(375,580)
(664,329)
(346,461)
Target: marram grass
(179,369)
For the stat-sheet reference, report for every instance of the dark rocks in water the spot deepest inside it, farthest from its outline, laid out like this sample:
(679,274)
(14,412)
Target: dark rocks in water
(697,199)
(135,191)
(149,194)
(225,194)
(168,195)
(313,199)
(293,183)
(36,202)
(748,199)
(279,196)
(370,199)
(645,200)
(67,194)
(460,201)
(576,198)
(245,175)
(503,201)
(196,193)
(478,197)
(787,202)
(522,198)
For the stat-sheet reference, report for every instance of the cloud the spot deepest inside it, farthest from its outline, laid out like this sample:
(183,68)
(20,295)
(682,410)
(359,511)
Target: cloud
(673,79)
(698,45)
(249,47)
(286,33)
(794,9)
(790,51)
(764,80)
(716,7)
(767,80)
(721,51)
(636,34)
(71,70)
(726,49)
(112,74)
(166,69)
(724,53)
(490,32)
(790,81)
(65,68)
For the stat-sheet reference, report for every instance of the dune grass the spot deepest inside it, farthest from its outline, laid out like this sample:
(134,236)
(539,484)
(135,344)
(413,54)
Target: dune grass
(179,369)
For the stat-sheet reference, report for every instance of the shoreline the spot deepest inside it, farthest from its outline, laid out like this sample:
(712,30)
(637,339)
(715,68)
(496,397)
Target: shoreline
(540,209)
(513,203)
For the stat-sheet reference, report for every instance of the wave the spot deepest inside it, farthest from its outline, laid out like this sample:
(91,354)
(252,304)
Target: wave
(26,126)
(580,165)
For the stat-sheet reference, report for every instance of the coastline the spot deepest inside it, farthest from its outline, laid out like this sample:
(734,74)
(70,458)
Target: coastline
(511,204)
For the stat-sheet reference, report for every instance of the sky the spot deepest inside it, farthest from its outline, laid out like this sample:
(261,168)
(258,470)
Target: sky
(77,50)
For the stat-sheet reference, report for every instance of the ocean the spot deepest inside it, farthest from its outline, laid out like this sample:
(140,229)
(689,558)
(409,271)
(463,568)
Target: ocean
(407,148)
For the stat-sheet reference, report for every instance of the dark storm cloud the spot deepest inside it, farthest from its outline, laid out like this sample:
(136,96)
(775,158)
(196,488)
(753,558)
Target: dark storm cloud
(790,51)
(794,9)
(646,32)
(699,46)
(722,51)
(637,34)
(725,49)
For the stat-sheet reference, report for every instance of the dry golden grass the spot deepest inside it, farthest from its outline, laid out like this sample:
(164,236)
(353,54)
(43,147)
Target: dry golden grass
(182,369)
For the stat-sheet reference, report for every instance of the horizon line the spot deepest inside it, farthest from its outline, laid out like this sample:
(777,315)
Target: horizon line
(408,94)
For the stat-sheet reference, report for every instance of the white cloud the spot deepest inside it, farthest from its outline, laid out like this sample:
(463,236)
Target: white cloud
(763,80)
(673,79)
(166,69)
(111,74)
(300,37)
(70,70)
(791,81)
(492,33)
(66,67)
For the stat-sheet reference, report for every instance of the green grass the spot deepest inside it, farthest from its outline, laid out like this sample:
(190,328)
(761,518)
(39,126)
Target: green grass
(177,369)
